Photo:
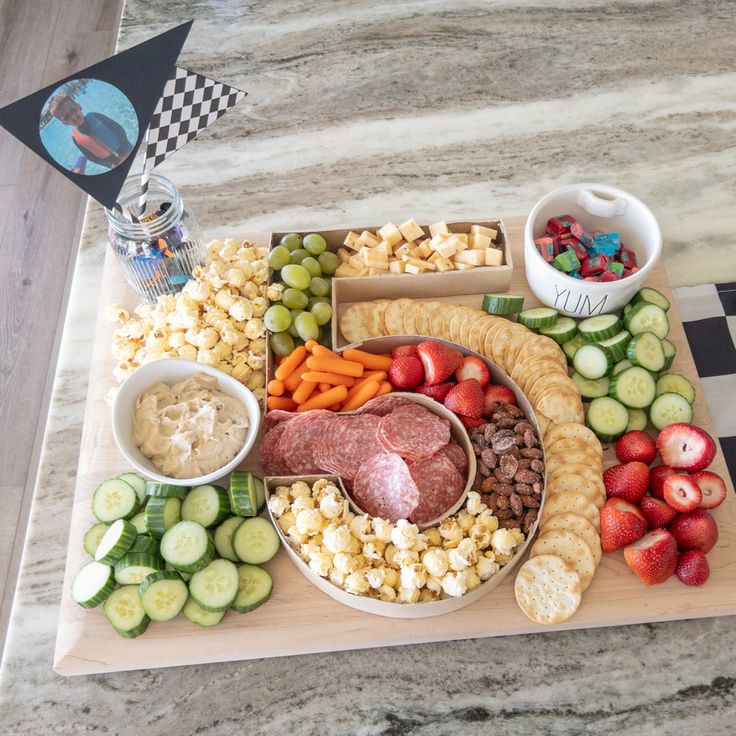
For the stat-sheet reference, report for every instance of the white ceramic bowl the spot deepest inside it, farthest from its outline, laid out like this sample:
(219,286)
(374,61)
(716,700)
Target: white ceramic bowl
(597,207)
(170,371)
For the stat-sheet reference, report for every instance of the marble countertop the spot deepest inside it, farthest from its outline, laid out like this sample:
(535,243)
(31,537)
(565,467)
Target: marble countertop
(364,112)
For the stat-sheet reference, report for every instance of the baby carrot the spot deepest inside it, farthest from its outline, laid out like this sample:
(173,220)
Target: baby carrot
(322,352)
(323,386)
(280,402)
(368,360)
(335,365)
(331,378)
(384,388)
(334,407)
(365,392)
(326,399)
(295,377)
(276,387)
(288,365)
(377,376)
(303,391)
(309,345)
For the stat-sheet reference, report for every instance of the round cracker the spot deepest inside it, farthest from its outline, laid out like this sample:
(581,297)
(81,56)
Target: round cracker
(547,589)
(473,318)
(374,318)
(577,483)
(531,365)
(477,334)
(410,317)
(457,321)
(353,323)
(571,501)
(571,548)
(574,431)
(577,525)
(587,458)
(543,421)
(572,443)
(516,349)
(500,342)
(393,316)
(547,380)
(493,330)
(445,318)
(426,315)
(543,345)
(575,468)
(561,405)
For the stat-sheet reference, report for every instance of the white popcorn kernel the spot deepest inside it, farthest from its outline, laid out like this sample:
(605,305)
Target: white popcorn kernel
(118,313)
(320,564)
(356,583)
(362,528)
(518,535)
(464,555)
(486,568)
(436,561)
(336,538)
(296,537)
(413,576)
(336,577)
(286,521)
(404,557)
(465,520)
(242,372)
(481,535)
(300,488)
(488,520)
(308,550)
(455,584)
(390,576)
(333,505)
(434,584)
(274,292)
(451,533)
(472,580)
(302,502)
(474,504)
(433,536)
(254,328)
(375,577)
(309,521)
(389,554)
(383,529)
(282,491)
(187,352)
(408,595)
(421,543)
(404,534)
(374,549)
(235,277)
(426,595)
(503,541)
(278,505)
(387,593)
(241,309)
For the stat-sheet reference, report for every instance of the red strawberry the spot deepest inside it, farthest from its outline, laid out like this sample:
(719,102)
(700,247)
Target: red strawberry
(629,481)
(621,524)
(712,488)
(472,422)
(658,513)
(439,361)
(686,447)
(682,493)
(473,367)
(404,350)
(465,398)
(653,557)
(657,476)
(692,567)
(494,396)
(696,530)
(437,391)
(406,372)
(636,445)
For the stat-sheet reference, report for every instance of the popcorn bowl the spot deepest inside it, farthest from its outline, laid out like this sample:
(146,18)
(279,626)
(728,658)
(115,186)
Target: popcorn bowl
(597,207)
(170,371)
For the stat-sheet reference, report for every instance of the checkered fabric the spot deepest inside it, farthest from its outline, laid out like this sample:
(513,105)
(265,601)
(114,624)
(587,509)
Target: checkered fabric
(709,315)
(189,104)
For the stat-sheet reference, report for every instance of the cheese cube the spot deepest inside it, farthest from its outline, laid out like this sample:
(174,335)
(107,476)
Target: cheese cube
(434,257)
(352,241)
(345,270)
(415,252)
(385,247)
(424,250)
(343,255)
(487,231)
(363,272)
(462,237)
(448,247)
(356,262)
(411,231)
(390,233)
(373,258)
(377,271)
(438,227)
(461,244)
(396,266)
(420,263)
(480,241)
(368,238)
(494,257)
(402,250)
(471,257)
(463,266)
(411,268)
(444,264)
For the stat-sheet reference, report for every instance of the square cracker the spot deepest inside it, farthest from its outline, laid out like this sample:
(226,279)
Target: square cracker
(547,589)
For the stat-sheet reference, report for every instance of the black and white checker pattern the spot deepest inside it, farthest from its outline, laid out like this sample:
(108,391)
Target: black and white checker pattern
(709,315)
(189,104)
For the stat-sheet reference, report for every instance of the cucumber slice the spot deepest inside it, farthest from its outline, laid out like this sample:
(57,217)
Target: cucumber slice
(646,351)
(187,547)
(118,539)
(197,615)
(162,514)
(207,505)
(254,588)
(562,331)
(674,383)
(571,346)
(92,538)
(637,420)
(214,588)
(255,541)
(165,490)
(608,418)
(617,344)
(627,308)
(591,389)
(246,493)
(537,317)
(124,611)
(145,544)
(502,303)
(138,483)
(651,296)
(601,327)
(646,317)
(114,499)
(634,388)
(139,522)
(670,408)
(622,365)
(224,537)
(93,584)
(163,595)
(135,567)
(592,361)
(669,354)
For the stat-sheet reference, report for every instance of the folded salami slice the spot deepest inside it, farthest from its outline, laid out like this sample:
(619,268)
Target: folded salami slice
(275,417)
(456,453)
(384,487)
(301,438)
(440,486)
(413,432)
(382,405)
(350,441)
(271,460)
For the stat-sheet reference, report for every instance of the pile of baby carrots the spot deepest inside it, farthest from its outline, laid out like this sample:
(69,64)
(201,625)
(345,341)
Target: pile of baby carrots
(314,377)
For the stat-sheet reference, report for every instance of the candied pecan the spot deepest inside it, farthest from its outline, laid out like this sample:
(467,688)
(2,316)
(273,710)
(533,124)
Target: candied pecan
(525,463)
(488,431)
(531,452)
(523,489)
(523,426)
(513,410)
(487,484)
(503,502)
(530,502)
(488,457)
(501,514)
(502,444)
(526,476)
(519,439)
(505,489)
(529,519)
(477,449)
(491,500)
(516,505)
(537,488)
(483,469)
(509,524)
(514,452)
(509,465)
(506,422)
(537,466)
(500,415)
(529,439)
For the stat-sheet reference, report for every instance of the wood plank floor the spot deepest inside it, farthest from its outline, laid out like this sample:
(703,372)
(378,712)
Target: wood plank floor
(41,216)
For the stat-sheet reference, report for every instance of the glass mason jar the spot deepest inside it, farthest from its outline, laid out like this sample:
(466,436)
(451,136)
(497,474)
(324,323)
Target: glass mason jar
(159,252)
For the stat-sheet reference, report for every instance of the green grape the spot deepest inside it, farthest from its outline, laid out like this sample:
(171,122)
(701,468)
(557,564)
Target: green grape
(277,318)
(318,300)
(306,326)
(312,265)
(292,327)
(314,243)
(295,276)
(307,293)
(298,255)
(294,299)
(292,241)
(329,262)
(322,313)
(282,343)
(278,257)
(319,286)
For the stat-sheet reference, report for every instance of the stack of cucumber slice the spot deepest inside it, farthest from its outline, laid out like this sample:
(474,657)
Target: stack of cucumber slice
(620,364)
(160,550)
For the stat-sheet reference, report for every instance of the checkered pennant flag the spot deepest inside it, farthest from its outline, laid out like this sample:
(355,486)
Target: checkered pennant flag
(189,104)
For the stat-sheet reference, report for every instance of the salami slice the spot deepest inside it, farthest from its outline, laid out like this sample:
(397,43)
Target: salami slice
(350,441)
(301,438)
(384,487)
(271,460)
(276,417)
(382,405)
(413,432)
(457,455)
(440,485)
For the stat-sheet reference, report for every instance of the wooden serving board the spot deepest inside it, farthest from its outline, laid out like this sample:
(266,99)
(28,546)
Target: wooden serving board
(298,618)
